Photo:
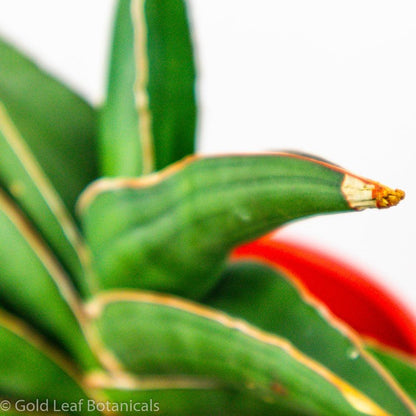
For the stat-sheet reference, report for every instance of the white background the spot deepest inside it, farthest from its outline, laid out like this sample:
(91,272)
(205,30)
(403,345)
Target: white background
(333,78)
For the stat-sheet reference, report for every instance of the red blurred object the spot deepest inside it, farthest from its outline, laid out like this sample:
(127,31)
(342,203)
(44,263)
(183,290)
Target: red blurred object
(350,294)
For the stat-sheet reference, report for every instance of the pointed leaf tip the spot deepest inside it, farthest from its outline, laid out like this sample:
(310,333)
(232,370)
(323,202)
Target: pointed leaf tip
(362,193)
(386,197)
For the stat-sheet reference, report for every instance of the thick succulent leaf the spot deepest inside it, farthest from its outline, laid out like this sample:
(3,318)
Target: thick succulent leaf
(58,126)
(159,335)
(35,286)
(148,120)
(202,402)
(326,277)
(32,371)
(172,231)
(267,299)
(26,182)
(402,367)
(46,151)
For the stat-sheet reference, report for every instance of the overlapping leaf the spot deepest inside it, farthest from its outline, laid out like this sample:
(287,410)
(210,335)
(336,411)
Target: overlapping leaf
(34,284)
(268,300)
(158,335)
(47,151)
(265,350)
(36,374)
(403,368)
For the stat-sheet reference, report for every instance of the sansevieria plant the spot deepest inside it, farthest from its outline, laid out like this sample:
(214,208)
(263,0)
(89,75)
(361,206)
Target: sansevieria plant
(116,292)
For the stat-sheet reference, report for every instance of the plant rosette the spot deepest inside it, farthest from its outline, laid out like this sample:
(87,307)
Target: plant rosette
(115,284)
(350,294)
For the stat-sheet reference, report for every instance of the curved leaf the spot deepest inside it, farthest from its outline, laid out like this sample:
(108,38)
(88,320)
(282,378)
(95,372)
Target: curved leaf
(267,299)
(172,231)
(148,120)
(31,371)
(46,152)
(159,335)
(402,368)
(33,283)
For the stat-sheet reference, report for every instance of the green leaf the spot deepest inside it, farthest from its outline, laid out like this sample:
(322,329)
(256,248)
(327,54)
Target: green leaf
(172,231)
(203,402)
(14,412)
(148,120)
(33,372)
(403,368)
(35,286)
(162,337)
(46,151)
(58,126)
(267,299)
